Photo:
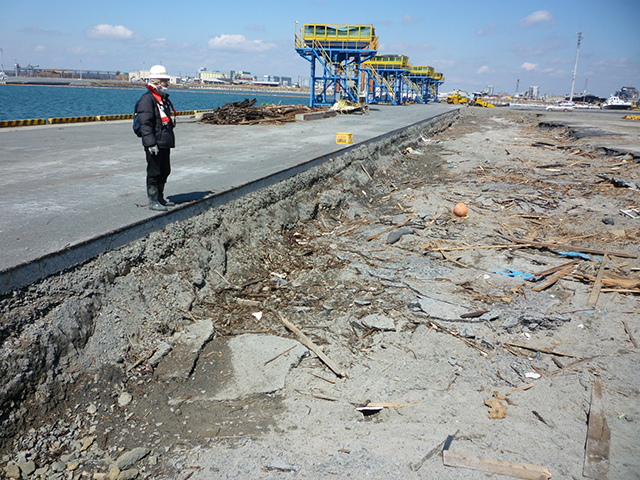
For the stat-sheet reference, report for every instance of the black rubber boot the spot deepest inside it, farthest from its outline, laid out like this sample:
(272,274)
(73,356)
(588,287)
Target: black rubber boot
(154,204)
(161,199)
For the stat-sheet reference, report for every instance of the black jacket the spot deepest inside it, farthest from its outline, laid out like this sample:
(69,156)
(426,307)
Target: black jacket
(153,131)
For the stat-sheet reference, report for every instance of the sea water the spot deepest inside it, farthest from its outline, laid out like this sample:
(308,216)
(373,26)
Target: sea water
(22,102)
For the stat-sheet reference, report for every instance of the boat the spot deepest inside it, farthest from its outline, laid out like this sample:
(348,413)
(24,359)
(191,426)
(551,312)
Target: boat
(616,103)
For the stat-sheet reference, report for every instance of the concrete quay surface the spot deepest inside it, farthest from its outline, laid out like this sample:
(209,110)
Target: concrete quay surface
(70,192)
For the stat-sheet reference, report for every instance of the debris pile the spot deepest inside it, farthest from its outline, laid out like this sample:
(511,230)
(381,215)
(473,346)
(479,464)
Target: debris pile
(247,112)
(354,324)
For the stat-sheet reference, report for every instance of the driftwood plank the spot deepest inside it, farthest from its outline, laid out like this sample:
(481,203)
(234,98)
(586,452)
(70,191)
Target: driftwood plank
(501,467)
(303,339)
(597,285)
(596,454)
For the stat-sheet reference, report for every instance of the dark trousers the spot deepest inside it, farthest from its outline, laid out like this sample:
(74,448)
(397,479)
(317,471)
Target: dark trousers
(158,166)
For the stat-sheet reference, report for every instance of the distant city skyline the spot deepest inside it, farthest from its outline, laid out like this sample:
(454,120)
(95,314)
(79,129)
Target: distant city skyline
(474,44)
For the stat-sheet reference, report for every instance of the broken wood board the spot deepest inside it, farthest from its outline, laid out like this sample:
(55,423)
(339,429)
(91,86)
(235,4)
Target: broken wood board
(553,279)
(596,454)
(540,275)
(303,339)
(597,285)
(492,465)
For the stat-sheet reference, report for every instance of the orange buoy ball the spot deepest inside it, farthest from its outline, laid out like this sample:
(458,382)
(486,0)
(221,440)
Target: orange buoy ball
(460,210)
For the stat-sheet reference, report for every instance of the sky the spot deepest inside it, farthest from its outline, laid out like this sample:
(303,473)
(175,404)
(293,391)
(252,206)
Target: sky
(473,43)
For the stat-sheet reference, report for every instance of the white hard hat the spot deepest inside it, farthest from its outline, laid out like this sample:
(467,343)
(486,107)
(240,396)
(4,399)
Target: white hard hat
(158,71)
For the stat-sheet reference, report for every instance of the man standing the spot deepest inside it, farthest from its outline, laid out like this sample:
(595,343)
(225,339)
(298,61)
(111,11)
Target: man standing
(156,128)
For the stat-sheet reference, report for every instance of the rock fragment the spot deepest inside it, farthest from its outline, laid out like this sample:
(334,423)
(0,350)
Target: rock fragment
(379,322)
(130,458)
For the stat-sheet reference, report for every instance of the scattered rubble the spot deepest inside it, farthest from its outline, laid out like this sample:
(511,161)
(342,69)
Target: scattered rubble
(288,332)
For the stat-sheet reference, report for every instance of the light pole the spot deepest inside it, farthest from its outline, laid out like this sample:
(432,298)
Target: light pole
(573,82)
(2,60)
(80,69)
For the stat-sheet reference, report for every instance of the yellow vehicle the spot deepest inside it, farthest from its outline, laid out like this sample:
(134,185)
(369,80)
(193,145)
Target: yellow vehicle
(456,99)
(483,103)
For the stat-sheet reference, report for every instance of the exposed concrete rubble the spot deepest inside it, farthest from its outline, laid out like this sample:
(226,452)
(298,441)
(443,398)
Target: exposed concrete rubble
(169,358)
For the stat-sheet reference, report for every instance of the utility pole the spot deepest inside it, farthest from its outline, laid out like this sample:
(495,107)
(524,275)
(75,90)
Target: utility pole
(517,87)
(575,69)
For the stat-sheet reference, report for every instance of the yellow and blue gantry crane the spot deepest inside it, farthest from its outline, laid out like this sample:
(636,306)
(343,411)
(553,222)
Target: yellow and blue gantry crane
(345,65)
(392,79)
(336,53)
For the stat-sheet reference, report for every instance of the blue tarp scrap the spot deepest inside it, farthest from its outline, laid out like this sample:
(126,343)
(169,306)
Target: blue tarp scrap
(510,272)
(586,256)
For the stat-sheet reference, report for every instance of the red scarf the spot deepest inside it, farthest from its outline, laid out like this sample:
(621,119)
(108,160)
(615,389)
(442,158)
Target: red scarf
(163,116)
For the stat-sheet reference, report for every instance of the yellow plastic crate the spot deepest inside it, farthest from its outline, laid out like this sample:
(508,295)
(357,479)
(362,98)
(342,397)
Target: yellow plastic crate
(343,137)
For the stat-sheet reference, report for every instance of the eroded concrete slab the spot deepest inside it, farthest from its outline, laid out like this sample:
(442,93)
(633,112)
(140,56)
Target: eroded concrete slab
(179,364)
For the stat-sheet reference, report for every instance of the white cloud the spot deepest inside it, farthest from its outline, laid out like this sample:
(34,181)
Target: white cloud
(535,51)
(490,29)
(39,49)
(483,69)
(541,16)
(78,50)
(443,64)
(529,66)
(110,32)
(239,43)
(408,20)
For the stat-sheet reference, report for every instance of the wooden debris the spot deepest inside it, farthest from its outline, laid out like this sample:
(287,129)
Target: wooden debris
(540,275)
(596,455)
(497,411)
(556,246)
(526,386)
(500,467)
(303,339)
(448,257)
(279,355)
(434,451)
(247,113)
(628,330)
(388,405)
(476,247)
(556,277)
(318,396)
(537,349)
(597,285)
(468,342)
(390,229)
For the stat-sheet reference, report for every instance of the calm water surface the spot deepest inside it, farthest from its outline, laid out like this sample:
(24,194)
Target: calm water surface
(21,102)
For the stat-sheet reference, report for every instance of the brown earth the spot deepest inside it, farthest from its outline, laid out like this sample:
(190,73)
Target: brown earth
(370,238)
